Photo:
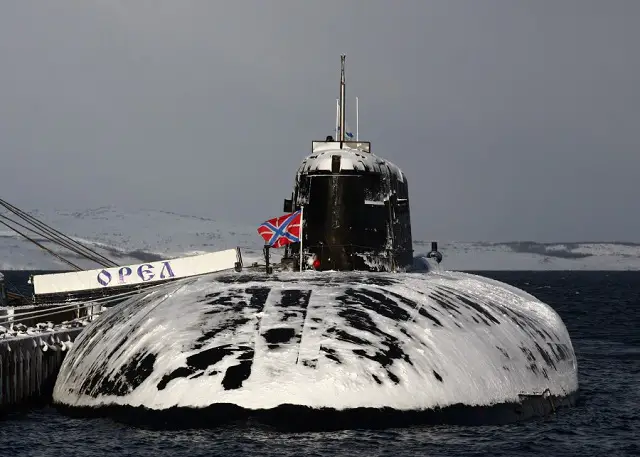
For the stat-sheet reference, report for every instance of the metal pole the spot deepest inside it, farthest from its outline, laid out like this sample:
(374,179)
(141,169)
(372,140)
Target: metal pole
(265,250)
(301,229)
(342,99)
(337,119)
(357,120)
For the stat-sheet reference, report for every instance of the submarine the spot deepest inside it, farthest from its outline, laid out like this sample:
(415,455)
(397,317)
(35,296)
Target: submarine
(349,328)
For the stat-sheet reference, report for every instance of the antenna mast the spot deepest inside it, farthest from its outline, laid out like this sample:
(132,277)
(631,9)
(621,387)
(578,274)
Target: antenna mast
(337,129)
(357,120)
(342,100)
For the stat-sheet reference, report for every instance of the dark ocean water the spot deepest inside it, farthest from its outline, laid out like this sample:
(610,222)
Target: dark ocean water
(600,309)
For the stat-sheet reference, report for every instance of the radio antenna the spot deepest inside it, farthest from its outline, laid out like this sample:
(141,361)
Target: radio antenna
(337,128)
(342,98)
(357,120)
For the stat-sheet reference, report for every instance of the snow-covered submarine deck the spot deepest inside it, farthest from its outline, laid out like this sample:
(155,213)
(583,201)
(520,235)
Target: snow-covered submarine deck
(325,341)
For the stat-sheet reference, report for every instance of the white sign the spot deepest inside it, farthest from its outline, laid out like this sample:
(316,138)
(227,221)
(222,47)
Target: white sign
(129,275)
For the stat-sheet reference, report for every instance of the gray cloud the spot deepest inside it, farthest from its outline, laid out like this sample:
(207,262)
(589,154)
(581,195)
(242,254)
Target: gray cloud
(512,120)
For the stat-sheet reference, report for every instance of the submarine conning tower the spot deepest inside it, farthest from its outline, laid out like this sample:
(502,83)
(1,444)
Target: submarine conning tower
(355,206)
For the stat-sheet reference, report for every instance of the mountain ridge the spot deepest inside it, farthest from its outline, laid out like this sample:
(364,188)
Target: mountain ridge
(144,235)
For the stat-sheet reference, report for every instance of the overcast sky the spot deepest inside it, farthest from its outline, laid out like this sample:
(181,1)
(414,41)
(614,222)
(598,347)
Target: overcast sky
(513,120)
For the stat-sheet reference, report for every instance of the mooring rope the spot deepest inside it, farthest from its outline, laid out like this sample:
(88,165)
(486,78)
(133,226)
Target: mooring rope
(73,265)
(62,242)
(54,233)
(56,237)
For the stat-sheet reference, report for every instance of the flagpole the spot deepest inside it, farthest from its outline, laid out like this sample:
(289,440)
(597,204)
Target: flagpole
(357,120)
(301,228)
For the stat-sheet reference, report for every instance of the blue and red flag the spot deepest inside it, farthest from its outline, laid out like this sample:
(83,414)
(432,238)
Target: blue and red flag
(281,230)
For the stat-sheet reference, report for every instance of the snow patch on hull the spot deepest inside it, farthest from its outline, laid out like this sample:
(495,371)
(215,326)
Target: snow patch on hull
(408,342)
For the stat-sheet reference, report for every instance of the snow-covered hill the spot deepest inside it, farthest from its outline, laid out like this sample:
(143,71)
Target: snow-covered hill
(126,237)
(133,237)
(528,255)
